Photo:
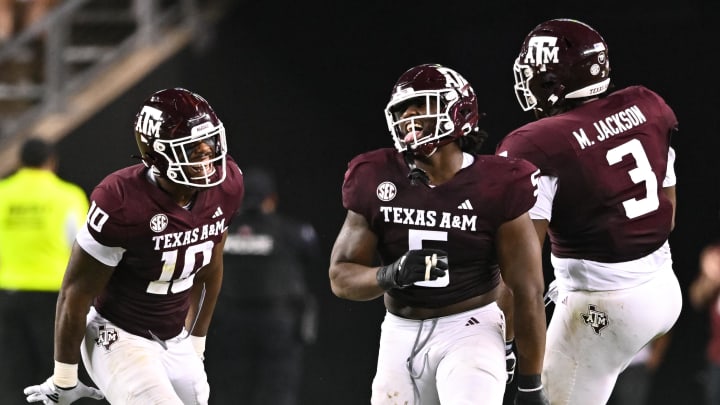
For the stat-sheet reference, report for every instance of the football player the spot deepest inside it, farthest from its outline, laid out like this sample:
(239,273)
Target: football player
(445,224)
(607,202)
(148,264)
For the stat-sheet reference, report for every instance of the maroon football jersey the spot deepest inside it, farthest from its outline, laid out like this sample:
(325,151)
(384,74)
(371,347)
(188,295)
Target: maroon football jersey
(610,158)
(165,245)
(460,216)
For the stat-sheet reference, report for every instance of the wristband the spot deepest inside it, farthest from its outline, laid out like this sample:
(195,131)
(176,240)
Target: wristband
(198,343)
(529,383)
(509,346)
(65,375)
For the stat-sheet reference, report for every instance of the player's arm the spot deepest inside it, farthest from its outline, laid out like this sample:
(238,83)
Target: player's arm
(85,277)
(541,226)
(351,273)
(706,287)
(519,256)
(670,193)
(703,291)
(202,303)
(505,302)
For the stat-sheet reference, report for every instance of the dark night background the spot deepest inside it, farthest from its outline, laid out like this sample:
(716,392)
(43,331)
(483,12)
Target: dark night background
(301,87)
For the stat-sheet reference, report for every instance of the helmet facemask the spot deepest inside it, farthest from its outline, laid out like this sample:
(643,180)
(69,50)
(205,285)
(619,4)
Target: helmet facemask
(523,74)
(186,164)
(423,132)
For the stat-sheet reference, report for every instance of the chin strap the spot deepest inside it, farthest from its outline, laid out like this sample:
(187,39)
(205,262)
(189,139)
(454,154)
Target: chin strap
(416,175)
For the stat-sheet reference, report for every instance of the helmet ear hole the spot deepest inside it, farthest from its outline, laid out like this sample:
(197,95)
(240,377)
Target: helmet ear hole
(151,159)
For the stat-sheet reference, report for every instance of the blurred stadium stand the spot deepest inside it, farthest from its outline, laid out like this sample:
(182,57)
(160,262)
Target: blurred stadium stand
(82,55)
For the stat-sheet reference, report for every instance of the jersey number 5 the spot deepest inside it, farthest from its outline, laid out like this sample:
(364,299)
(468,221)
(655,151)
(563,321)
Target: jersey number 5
(415,240)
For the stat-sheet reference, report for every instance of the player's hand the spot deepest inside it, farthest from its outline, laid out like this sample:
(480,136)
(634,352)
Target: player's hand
(413,266)
(710,263)
(510,362)
(552,293)
(530,391)
(198,343)
(49,394)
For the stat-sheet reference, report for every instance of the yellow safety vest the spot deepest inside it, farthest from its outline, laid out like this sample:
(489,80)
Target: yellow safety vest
(38,212)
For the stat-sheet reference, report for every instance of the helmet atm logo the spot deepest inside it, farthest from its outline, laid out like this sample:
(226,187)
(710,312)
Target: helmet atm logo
(149,121)
(454,81)
(542,50)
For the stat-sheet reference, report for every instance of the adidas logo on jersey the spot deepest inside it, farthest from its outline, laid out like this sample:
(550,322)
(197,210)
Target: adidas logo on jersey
(217,213)
(465,205)
(472,321)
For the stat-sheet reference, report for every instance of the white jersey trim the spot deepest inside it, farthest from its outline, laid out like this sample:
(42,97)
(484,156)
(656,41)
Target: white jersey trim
(670,179)
(547,186)
(107,255)
(468,159)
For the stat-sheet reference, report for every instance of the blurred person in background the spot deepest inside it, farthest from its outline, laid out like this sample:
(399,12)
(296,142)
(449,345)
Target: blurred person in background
(15,17)
(266,313)
(40,214)
(705,295)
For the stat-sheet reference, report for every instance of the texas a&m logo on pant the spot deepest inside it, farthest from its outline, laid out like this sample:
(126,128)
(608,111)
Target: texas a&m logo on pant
(596,319)
(106,337)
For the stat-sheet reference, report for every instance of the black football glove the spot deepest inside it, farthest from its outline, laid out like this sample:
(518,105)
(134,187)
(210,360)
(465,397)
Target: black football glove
(415,265)
(530,391)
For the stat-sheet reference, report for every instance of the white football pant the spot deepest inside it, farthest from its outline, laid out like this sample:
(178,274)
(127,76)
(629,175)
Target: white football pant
(592,336)
(130,369)
(457,359)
